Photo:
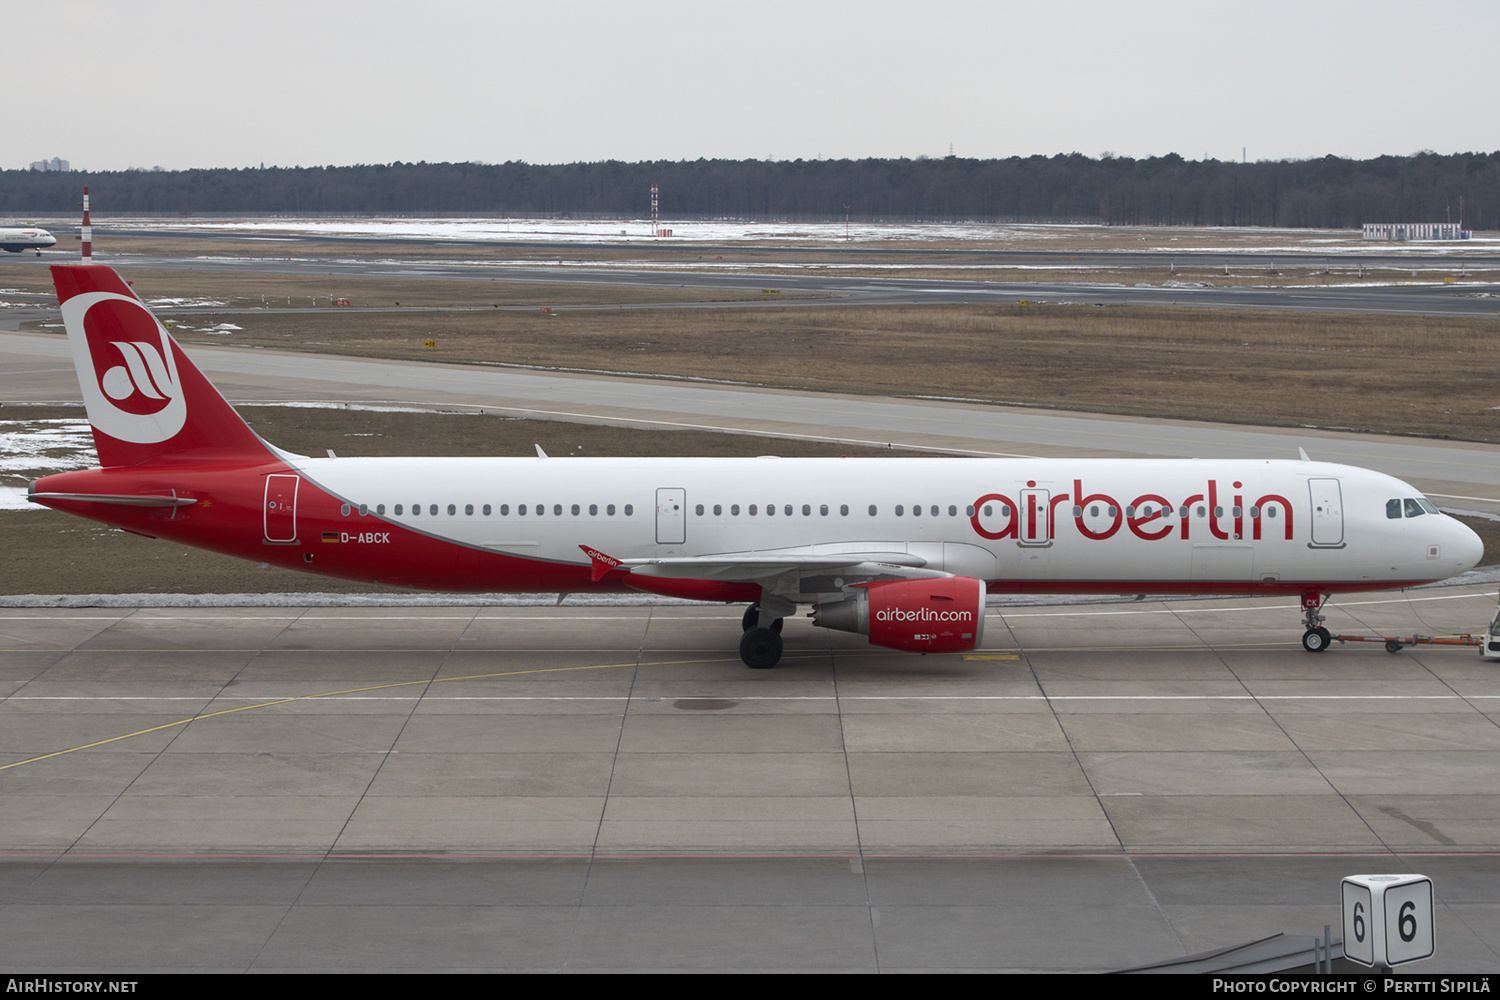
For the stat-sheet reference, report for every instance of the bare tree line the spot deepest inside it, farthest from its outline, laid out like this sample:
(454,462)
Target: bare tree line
(1166,190)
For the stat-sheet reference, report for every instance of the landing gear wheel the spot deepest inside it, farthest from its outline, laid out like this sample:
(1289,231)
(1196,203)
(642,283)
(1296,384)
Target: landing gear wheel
(1315,640)
(752,618)
(1392,646)
(760,648)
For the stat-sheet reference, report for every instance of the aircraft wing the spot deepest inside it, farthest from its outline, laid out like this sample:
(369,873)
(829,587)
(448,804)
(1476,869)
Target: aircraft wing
(753,566)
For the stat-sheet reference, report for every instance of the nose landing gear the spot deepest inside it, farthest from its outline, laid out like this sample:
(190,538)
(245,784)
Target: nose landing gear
(1316,638)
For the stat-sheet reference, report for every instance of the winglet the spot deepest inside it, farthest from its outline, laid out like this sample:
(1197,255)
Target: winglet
(1303,453)
(540,453)
(602,565)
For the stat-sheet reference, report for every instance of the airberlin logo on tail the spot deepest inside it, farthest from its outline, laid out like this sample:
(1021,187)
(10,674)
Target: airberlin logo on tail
(141,384)
(126,367)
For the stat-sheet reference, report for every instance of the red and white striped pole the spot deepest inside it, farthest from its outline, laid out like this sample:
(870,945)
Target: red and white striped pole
(88,231)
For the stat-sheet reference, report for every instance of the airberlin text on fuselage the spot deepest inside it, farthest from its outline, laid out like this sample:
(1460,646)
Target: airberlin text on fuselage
(1149,516)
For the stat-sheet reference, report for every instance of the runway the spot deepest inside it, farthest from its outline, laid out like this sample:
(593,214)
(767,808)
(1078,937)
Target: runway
(592,789)
(1461,298)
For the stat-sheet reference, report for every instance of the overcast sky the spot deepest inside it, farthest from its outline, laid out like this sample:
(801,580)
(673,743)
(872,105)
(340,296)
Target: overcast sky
(302,82)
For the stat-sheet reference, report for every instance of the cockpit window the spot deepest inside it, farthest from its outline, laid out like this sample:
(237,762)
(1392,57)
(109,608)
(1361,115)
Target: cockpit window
(1413,509)
(1393,509)
(1427,505)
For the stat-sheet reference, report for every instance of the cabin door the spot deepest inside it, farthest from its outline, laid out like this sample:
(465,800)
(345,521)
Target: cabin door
(1327,512)
(1036,508)
(280,509)
(671,516)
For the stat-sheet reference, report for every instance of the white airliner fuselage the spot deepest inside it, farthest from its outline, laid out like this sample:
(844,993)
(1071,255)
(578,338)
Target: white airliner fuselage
(14,240)
(901,550)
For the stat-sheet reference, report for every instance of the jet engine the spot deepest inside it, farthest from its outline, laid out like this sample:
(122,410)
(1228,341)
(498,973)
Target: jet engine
(941,615)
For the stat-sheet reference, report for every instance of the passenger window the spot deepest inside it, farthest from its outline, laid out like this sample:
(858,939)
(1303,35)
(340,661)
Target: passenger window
(872,510)
(952,510)
(916,510)
(521,509)
(505,510)
(380,508)
(610,510)
(899,509)
(806,510)
(344,510)
(734,510)
(432,509)
(557,510)
(469,509)
(718,510)
(751,510)
(486,510)
(823,510)
(843,510)
(575,510)
(593,510)
(416,509)
(629,509)
(787,510)
(398,510)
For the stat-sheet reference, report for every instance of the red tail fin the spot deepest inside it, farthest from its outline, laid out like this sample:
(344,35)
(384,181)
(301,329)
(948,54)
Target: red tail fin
(146,401)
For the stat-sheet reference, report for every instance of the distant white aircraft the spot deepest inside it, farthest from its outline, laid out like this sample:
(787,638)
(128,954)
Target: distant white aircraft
(14,240)
(902,550)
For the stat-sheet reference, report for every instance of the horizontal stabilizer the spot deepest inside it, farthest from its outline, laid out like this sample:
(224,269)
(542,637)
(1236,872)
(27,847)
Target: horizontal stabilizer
(123,500)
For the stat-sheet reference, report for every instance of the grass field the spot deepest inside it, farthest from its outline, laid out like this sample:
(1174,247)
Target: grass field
(1400,375)
(1390,374)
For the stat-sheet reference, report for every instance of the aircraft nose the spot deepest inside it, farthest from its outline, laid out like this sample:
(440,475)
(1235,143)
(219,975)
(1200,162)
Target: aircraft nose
(1468,548)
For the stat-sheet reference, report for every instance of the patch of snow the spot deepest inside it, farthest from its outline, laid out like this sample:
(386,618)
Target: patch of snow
(187,303)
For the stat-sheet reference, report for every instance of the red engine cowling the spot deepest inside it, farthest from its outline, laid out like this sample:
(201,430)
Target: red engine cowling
(943,615)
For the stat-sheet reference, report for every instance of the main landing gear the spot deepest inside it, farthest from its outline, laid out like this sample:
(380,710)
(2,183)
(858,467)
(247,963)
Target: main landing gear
(760,646)
(1316,638)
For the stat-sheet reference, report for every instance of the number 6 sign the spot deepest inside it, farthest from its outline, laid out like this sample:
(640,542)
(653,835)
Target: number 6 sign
(1387,919)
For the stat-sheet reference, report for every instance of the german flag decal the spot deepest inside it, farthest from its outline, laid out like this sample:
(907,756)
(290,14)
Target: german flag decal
(330,536)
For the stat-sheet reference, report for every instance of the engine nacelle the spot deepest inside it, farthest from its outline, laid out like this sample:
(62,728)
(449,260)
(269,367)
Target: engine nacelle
(942,615)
